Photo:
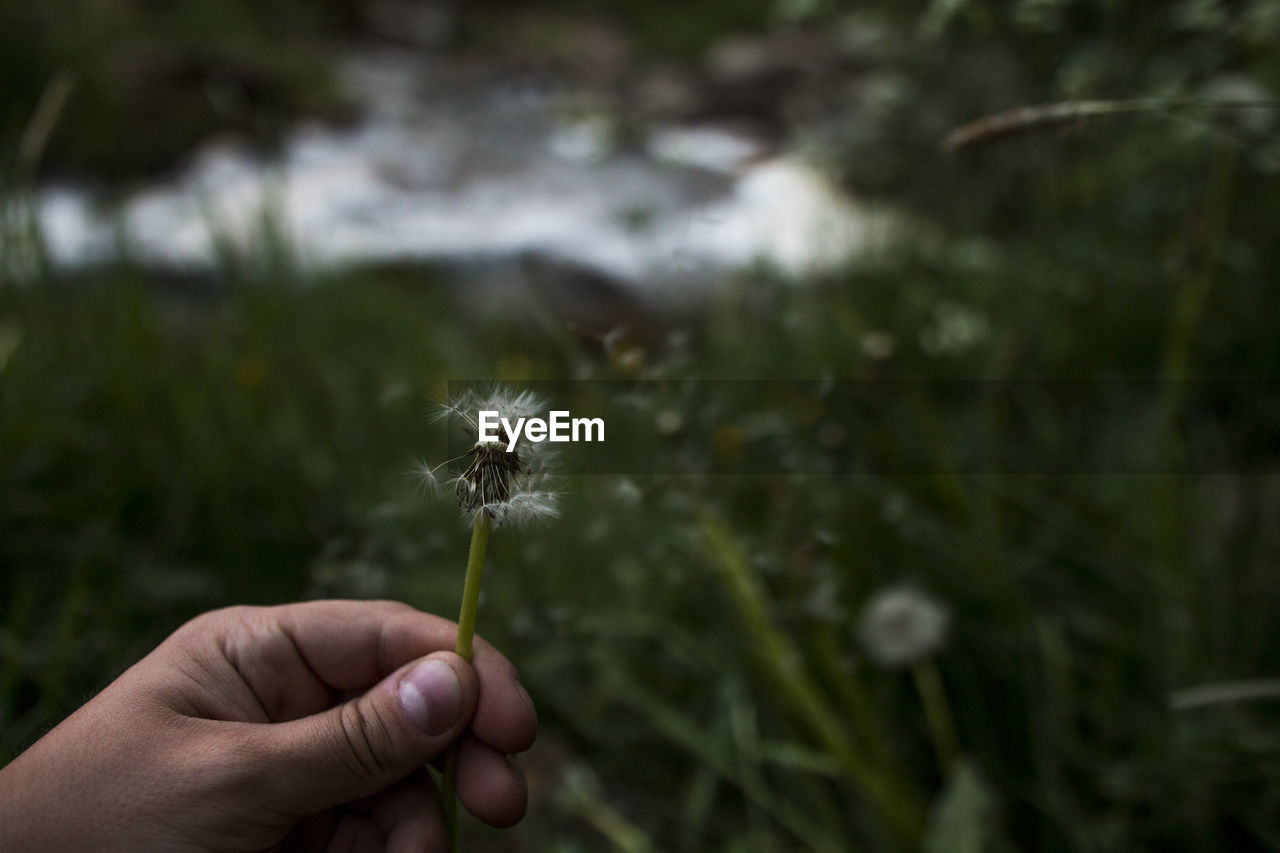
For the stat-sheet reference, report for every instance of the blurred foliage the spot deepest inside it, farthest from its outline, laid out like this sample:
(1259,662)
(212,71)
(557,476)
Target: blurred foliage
(676,29)
(153,79)
(162,455)
(943,63)
(691,641)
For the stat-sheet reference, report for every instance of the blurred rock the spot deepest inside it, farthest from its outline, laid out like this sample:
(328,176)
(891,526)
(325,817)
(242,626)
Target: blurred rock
(667,91)
(777,79)
(412,23)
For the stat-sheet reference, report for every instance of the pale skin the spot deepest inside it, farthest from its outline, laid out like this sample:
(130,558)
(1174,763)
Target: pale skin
(300,727)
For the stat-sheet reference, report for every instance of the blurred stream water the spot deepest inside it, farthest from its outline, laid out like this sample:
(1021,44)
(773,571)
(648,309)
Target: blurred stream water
(434,172)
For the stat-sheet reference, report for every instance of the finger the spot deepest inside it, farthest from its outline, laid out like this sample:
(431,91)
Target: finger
(350,645)
(355,834)
(490,784)
(409,816)
(367,744)
(310,834)
(298,658)
(505,718)
(271,664)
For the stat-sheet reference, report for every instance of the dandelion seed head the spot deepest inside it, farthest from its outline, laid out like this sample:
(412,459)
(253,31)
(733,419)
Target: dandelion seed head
(511,487)
(901,625)
(489,476)
(426,476)
(524,508)
(508,404)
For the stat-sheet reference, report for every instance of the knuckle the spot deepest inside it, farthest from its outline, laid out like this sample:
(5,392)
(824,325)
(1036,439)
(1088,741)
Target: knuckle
(366,742)
(220,619)
(391,604)
(214,624)
(235,614)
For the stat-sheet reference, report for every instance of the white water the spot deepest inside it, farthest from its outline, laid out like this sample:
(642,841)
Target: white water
(430,173)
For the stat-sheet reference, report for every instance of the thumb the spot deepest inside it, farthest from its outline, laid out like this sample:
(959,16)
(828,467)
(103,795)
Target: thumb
(372,741)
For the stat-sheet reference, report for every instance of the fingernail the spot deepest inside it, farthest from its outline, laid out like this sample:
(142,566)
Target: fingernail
(431,696)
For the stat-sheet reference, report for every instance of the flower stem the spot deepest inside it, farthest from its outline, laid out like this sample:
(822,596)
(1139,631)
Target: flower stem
(882,784)
(471,587)
(937,713)
(462,646)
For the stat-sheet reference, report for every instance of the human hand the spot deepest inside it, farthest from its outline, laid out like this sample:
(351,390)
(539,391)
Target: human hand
(306,726)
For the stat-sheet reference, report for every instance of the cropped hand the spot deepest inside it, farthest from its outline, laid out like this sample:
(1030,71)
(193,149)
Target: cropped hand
(300,727)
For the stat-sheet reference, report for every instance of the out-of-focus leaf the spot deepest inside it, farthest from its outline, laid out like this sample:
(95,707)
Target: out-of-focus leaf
(962,819)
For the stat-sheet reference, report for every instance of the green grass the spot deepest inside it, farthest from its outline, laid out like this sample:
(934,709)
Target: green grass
(690,641)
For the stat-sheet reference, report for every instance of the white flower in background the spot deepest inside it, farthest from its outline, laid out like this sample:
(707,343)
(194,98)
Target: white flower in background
(511,487)
(955,329)
(878,344)
(900,626)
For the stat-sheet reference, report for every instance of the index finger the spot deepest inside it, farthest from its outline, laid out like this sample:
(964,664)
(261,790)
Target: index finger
(352,645)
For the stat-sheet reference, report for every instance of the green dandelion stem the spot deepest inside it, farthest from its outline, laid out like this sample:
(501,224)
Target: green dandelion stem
(471,587)
(937,712)
(462,646)
(449,796)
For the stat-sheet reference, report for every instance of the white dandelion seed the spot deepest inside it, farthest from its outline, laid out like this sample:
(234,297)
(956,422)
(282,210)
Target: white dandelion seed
(512,487)
(901,626)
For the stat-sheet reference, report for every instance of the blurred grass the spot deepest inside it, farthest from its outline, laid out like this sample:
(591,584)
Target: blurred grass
(164,452)
(154,79)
